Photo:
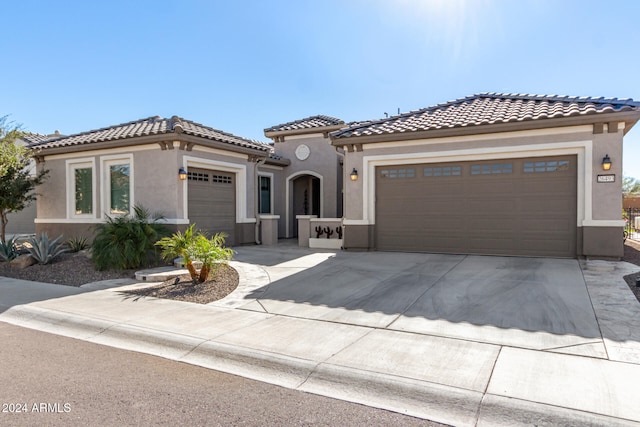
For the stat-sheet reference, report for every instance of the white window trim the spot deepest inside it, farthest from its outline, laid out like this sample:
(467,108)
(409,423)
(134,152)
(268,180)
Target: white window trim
(71,166)
(582,149)
(271,191)
(105,187)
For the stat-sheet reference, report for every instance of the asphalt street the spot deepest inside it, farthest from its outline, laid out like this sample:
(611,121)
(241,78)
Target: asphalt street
(53,380)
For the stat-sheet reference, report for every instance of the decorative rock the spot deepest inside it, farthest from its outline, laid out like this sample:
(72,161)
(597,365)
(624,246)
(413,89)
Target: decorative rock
(23,261)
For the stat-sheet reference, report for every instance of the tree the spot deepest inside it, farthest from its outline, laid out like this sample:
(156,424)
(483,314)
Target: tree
(630,186)
(17,185)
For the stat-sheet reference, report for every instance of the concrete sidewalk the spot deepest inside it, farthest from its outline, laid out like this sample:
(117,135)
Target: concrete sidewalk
(440,369)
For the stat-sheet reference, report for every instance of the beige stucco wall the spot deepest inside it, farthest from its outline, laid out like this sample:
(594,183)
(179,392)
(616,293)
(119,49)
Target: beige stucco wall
(607,197)
(22,222)
(600,202)
(323,160)
(156,186)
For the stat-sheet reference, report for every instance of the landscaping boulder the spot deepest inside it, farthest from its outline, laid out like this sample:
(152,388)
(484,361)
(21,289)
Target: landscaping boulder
(23,261)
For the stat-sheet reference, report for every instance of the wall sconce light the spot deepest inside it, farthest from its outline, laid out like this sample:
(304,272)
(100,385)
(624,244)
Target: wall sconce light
(182,174)
(606,163)
(354,174)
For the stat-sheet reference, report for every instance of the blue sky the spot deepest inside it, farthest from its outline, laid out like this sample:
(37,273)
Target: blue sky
(242,66)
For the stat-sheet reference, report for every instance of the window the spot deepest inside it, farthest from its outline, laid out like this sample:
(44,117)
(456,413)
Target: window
(222,179)
(83,183)
(81,190)
(117,184)
(550,166)
(398,173)
(490,169)
(198,176)
(443,171)
(264,195)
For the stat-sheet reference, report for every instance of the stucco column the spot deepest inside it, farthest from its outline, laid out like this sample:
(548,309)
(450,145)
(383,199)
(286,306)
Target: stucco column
(269,230)
(304,229)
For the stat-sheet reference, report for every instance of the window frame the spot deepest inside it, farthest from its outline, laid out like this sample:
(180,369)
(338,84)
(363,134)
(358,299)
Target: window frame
(105,188)
(71,167)
(259,190)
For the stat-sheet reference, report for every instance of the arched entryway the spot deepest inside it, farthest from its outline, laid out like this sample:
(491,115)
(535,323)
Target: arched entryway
(304,198)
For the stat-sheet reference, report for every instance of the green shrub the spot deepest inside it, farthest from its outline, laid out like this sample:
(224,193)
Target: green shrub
(211,252)
(195,246)
(128,241)
(8,249)
(77,244)
(44,250)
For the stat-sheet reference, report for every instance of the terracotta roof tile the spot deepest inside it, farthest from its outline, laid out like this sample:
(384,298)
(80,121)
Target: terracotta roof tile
(488,108)
(150,126)
(306,123)
(34,138)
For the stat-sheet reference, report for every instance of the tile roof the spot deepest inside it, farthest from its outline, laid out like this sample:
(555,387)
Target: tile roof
(306,123)
(34,138)
(488,108)
(150,126)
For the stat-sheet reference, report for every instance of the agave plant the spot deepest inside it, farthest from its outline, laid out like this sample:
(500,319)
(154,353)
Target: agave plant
(76,244)
(8,249)
(44,250)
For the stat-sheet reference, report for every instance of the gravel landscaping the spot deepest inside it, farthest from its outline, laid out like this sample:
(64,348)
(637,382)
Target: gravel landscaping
(76,269)
(219,285)
(71,269)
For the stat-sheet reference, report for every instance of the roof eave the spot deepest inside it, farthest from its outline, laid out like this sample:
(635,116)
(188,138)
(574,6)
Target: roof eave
(277,162)
(303,131)
(149,139)
(629,117)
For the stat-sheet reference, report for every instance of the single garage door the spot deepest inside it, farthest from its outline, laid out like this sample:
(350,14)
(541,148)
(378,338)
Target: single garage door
(212,204)
(501,207)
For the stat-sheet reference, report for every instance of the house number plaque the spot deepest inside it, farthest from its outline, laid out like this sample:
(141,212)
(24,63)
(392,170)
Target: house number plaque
(607,178)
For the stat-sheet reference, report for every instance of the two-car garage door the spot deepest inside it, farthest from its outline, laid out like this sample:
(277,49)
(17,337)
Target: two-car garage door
(508,206)
(211,201)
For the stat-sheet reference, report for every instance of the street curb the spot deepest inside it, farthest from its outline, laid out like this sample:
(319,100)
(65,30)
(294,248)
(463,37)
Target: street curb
(436,402)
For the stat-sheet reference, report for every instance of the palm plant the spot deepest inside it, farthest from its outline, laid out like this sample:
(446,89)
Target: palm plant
(127,241)
(195,246)
(177,246)
(211,252)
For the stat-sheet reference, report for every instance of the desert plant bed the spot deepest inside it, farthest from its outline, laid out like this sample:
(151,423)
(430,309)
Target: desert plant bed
(217,286)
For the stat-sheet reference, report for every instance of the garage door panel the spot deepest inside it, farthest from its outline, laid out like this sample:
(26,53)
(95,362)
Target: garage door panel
(491,187)
(494,205)
(547,205)
(483,225)
(211,201)
(512,207)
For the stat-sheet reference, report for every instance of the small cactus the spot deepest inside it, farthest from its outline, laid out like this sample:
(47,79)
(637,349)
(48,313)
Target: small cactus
(328,231)
(319,231)
(339,231)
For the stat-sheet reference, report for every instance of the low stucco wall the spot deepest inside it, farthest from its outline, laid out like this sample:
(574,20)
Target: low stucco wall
(602,242)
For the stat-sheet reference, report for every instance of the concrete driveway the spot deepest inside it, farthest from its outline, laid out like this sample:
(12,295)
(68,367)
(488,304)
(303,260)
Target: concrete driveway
(463,340)
(534,303)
